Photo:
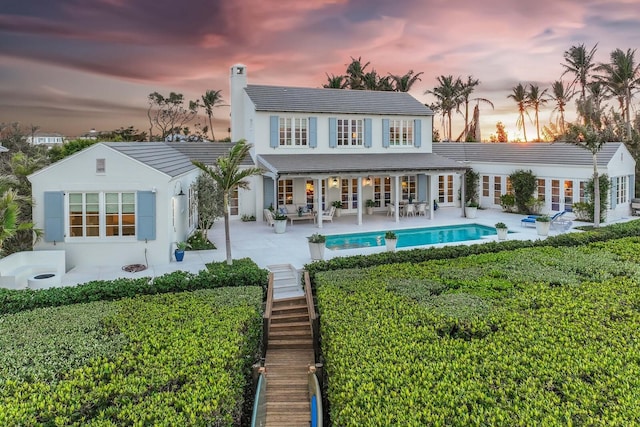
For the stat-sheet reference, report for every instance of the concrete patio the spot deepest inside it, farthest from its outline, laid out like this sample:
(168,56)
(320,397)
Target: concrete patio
(258,241)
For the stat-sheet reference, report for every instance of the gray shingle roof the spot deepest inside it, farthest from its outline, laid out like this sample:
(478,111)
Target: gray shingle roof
(206,152)
(305,164)
(157,155)
(558,153)
(334,101)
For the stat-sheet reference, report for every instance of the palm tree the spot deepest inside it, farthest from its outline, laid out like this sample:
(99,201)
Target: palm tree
(9,216)
(593,140)
(355,73)
(536,98)
(335,82)
(212,99)
(467,89)
(622,77)
(591,108)
(519,95)
(580,63)
(405,82)
(228,175)
(448,98)
(561,95)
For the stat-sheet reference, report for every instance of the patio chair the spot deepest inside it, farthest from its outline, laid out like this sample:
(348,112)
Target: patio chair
(410,209)
(422,209)
(391,209)
(268,217)
(328,215)
(560,224)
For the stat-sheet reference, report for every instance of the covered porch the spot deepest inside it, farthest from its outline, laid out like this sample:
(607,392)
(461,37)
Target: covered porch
(379,183)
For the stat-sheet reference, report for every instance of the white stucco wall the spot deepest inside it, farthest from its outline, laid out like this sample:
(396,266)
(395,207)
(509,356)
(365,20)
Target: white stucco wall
(77,173)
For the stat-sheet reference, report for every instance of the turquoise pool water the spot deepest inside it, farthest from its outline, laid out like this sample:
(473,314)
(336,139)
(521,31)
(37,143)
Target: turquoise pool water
(411,236)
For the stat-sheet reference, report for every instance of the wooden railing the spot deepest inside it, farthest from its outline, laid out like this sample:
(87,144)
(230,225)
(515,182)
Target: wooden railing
(313,317)
(266,318)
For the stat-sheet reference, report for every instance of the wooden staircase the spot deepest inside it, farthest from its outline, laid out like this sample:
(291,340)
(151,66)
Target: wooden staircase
(289,355)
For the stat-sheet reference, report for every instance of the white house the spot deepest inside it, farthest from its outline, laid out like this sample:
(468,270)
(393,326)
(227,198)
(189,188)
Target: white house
(41,138)
(115,203)
(317,146)
(562,170)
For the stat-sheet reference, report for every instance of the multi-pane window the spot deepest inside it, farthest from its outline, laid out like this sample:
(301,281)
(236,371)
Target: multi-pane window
(400,132)
(193,207)
(568,195)
(621,189)
(102,214)
(285,192)
(497,189)
(583,191)
(485,186)
(120,214)
(408,185)
(445,188)
(350,132)
(541,189)
(509,186)
(293,131)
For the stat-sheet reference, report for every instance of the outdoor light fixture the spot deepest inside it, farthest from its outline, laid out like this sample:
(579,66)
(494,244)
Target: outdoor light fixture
(181,193)
(366,181)
(334,183)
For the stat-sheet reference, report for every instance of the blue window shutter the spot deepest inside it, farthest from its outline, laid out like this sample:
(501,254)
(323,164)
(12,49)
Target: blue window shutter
(417,133)
(146,229)
(333,132)
(313,132)
(614,193)
(385,133)
(53,216)
(367,133)
(274,131)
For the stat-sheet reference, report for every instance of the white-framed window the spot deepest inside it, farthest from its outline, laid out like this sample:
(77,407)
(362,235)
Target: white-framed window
(294,131)
(542,183)
(408,187)
(350,132)
(285,192)
(497,189)
(102,214)
(621,189)
(400,132)
(485,185)
(583,192)
(445,188)
(193,207)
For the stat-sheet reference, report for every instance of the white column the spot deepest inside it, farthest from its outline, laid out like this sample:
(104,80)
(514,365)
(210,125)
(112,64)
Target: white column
(317,196)
(359,200)
(463,186)
(397,196)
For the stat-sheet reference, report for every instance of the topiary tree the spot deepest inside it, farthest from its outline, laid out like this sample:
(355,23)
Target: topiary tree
(471,183)
(524,183)
(209,199)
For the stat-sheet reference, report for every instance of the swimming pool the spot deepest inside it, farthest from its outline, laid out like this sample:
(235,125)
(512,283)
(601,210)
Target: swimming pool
(411,236)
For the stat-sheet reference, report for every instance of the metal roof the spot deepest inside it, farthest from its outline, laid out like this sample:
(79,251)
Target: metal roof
(206,152)
(307,164)
(157,155)
(558,153)
(335,101)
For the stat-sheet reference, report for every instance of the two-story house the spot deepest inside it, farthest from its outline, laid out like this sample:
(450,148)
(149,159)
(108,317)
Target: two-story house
(317,146)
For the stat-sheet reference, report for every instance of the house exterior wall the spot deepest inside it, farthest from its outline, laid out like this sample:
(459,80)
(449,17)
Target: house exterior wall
(77,173)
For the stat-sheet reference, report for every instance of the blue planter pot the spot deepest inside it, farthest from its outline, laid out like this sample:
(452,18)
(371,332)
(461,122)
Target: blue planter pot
(179,254)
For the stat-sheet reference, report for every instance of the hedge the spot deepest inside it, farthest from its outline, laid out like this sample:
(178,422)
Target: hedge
(181,359)
(243,272)
(544,336)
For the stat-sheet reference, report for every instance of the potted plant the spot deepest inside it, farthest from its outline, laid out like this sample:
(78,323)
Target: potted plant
(338,205)
(471,210)
(502,230)
(543,222)
(180,248)
(316,246)
(370,205)
(390,241)
(280,222)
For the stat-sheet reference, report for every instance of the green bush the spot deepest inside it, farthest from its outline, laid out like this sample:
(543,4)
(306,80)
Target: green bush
(186,362)
(243,272)
(540,336)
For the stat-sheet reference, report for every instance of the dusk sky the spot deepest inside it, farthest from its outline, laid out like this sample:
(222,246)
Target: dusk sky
(72,65)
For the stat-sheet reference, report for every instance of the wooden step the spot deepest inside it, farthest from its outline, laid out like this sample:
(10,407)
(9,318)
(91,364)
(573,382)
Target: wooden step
(290,301)
(290,310)
(290,358)
(289,317)
(289,334)
(291,326)
(291,343)
(290,420)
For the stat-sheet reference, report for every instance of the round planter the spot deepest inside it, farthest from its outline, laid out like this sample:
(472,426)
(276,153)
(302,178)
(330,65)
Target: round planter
(179,254)
(280,226)
(317,251)
(542,228)
(502,233)
(471,212)
(369,210)
(391,244)
(338,212)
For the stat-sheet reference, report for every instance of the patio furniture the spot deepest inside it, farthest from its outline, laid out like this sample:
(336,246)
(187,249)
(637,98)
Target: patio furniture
(268,217)
(391,209)
(328,215)
(531,219)
(410,209)
(304,217)
(422,209)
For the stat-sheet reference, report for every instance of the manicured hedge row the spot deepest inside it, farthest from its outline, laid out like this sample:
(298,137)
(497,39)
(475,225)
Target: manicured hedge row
(243,272)
(185,361)
(614,231)
(542,336)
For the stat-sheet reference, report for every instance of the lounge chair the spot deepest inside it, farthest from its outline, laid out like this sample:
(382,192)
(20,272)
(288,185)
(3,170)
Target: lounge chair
(531,219)
(268,217)
(328,215)
(560,224)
